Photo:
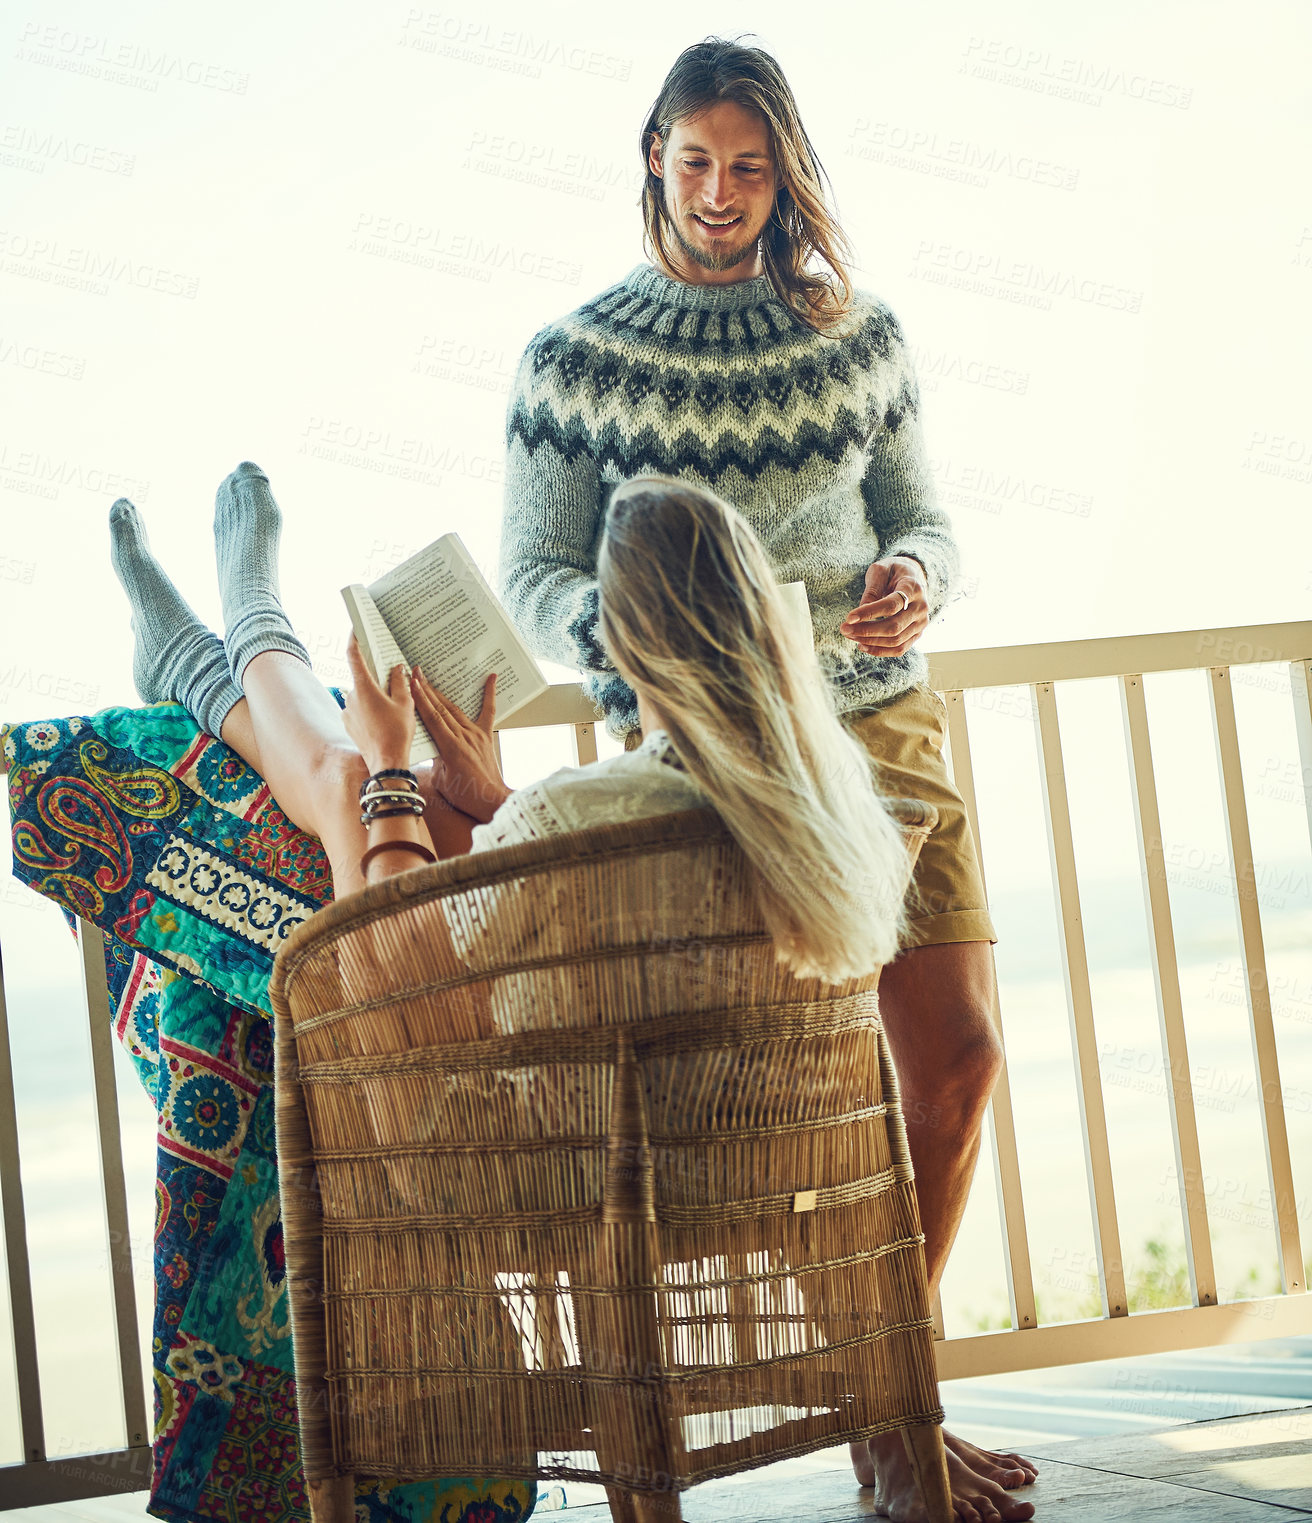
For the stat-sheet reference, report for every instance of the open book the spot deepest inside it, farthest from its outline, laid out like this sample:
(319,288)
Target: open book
(436,611)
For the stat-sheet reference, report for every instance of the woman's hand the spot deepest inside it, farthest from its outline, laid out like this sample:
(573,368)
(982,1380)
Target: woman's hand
(381,723)
(466,772)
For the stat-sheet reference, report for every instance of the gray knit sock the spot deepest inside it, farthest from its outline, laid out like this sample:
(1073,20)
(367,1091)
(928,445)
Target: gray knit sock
(176,660)
(247,525)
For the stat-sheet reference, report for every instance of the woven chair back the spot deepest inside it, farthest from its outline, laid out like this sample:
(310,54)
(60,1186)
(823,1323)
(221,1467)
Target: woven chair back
(578,1181)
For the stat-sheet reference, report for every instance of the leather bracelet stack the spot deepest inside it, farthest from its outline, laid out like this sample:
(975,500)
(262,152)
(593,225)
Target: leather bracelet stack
(384,795)
(393,791)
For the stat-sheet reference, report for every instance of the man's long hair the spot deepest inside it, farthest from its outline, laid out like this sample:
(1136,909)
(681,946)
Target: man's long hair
(690,608)
(801,226)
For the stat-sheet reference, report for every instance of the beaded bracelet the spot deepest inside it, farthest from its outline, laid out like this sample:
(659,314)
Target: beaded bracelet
(390,796)
(389,792)
(389,814)
(373,800)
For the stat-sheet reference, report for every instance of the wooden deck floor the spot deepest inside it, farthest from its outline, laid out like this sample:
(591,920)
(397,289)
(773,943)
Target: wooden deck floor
(1255,1469)
(1238,1470)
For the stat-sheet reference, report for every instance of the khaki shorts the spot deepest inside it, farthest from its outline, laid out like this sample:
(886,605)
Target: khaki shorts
(905,738)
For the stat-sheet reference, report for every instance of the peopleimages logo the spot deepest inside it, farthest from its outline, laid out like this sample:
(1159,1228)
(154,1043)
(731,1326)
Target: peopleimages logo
(568,172)
(452,251)
(40,360)
(466,363)
(343,442)
(23,147)
(90,269)
(44,475)
(55,686)
(128,63)
(1077,79)
(957,158)
(1015,280)
(473,40)
(990,491)
(935,365)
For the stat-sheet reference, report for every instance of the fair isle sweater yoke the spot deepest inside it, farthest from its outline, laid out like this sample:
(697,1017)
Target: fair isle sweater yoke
(814,438)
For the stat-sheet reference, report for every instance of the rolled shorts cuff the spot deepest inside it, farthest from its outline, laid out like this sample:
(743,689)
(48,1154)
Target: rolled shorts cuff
(951,925)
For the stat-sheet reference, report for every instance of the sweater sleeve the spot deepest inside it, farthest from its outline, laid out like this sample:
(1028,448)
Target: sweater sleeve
(554,501)
(900,496)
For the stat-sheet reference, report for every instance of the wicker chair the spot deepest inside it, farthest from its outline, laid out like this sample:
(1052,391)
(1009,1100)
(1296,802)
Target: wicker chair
(578,1182)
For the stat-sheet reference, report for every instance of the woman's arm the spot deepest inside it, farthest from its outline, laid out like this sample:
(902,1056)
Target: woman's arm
(382,724)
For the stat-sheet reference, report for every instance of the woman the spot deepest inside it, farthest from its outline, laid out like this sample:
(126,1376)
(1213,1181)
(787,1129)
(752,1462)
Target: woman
(734,708)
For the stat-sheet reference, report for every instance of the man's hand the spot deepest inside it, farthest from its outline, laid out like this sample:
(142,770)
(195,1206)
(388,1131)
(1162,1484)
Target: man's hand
(381,723)
(884,622)
(465,773)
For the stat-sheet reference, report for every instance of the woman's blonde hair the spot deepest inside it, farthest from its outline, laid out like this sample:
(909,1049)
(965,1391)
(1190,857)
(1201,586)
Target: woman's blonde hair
(801,226)
(691,610)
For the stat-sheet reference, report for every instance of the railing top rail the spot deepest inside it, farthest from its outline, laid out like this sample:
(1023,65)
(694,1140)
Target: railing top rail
(1118,655)
(1057,661)
(1006,665)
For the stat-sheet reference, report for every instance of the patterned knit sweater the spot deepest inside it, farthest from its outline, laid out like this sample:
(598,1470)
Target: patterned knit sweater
(814,438)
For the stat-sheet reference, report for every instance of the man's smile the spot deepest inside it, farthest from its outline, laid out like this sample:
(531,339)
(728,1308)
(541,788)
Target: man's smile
(716,225)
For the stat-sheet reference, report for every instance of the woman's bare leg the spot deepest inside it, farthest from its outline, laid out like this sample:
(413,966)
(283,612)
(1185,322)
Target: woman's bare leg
(306,757)
(238,732)
(287,726)
(313,754)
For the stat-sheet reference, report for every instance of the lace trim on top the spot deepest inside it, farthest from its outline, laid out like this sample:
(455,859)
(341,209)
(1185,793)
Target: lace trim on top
(529,814)
(538,817)
(525,816)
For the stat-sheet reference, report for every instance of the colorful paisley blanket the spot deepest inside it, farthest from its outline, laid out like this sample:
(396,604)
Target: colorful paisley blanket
(165,839)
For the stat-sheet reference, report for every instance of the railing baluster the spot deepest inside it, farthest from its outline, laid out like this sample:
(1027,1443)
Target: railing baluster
(114,1190)
(1002,1121)
(585,744)
(1079,1004)
(1166,980)
(1300,678)
(20,1272)
(1275,1135)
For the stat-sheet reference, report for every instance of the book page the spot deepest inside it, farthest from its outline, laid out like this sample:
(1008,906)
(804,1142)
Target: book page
(381,653)
(379,649)
(799,609)
(446,619)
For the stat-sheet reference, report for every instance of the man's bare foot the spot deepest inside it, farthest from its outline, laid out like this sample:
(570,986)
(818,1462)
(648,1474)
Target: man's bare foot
(1008,1470)
(882,1464)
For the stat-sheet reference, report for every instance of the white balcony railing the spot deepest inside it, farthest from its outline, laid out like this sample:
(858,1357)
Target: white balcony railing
(1210,1320)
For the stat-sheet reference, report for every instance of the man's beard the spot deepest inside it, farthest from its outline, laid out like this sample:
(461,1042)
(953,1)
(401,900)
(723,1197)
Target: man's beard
(715,257)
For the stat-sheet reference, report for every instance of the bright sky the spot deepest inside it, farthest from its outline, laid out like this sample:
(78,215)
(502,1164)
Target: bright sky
(325,234)
(320,239)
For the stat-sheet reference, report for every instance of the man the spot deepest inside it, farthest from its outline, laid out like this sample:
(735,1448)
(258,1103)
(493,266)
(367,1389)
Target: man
(728,360)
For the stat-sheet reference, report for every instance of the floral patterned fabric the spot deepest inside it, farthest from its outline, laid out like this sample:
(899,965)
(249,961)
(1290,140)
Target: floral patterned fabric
(166,840)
